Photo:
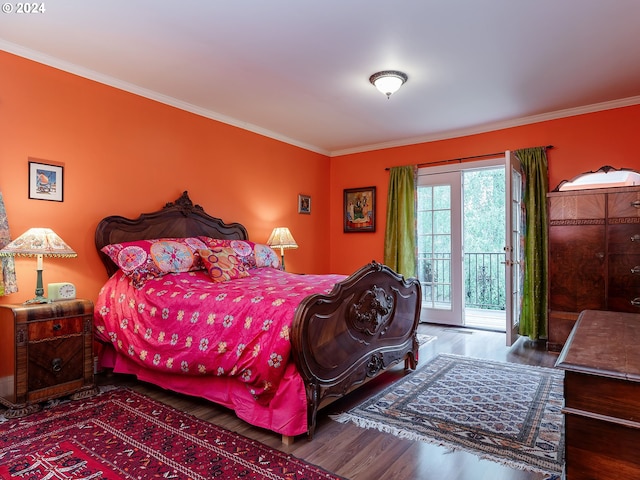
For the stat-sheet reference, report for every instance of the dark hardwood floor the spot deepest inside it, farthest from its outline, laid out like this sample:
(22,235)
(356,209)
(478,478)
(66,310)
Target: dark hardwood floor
(360,454)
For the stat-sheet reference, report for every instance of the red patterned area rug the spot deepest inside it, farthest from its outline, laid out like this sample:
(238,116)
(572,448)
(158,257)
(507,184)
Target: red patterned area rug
(123,435)
(505,412)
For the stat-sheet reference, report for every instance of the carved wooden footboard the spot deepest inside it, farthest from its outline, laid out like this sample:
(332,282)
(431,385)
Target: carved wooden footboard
(365,325)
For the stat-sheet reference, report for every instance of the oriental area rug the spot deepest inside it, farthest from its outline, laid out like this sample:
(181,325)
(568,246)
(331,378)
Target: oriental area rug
(504,412)
(123,435)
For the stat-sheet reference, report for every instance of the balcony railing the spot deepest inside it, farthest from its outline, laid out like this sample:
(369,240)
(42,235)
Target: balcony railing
(484,277)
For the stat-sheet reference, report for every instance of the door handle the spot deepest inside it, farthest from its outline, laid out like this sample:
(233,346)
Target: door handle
(511,263)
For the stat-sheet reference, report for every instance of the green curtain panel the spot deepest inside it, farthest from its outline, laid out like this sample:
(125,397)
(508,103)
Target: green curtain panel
(533,319)
(400,233)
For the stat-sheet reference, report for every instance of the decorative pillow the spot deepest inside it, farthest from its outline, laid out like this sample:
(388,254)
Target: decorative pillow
(265,256)
(145,259)
(253,255)
(243,248)
(223,264)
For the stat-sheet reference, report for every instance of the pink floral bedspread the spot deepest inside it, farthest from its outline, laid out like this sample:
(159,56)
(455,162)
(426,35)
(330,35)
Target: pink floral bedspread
(185,323)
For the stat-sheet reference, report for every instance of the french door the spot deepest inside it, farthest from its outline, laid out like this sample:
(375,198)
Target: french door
(439,229)
(441,233)
(514,249)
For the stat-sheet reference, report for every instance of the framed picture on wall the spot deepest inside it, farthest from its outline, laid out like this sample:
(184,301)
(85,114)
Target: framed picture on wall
(359,209)
(45,181)
(304,204)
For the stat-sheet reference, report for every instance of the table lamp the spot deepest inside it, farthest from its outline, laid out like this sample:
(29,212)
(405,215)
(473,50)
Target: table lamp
(38,242)
(281,238)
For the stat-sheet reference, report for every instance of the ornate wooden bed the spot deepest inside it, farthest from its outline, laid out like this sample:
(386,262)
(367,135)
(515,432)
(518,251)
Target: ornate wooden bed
(340,340)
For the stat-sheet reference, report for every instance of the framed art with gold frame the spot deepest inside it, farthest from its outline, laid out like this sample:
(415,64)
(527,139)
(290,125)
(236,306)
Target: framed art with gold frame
(359,211)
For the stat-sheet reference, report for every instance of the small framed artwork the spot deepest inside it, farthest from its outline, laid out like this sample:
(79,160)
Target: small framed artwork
(45,181)
(359,209)
(304,204)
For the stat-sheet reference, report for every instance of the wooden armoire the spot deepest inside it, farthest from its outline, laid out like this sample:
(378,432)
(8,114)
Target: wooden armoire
(594,255)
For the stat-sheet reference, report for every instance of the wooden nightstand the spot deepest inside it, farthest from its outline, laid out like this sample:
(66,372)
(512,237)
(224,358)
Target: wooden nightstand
(52,346)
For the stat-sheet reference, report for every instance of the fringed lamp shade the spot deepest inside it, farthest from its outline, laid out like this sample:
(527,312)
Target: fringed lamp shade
(281,238)
(38,242)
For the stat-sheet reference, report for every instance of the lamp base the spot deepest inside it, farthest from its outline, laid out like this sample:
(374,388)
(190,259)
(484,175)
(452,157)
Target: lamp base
(37,299)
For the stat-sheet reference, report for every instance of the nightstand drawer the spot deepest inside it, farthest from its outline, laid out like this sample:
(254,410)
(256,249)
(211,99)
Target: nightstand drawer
(60,327)
(55,361)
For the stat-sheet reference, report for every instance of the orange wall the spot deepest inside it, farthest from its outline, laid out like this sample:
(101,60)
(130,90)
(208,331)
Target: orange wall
(581,143)
(123,154)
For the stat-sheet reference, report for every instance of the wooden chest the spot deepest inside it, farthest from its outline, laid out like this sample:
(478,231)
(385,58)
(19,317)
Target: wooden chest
(52,353)
(601,361)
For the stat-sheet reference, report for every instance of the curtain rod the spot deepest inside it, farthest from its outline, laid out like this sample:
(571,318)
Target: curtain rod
(460,159)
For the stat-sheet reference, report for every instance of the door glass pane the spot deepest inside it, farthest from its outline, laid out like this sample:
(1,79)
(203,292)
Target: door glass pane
(425,243)
(442,222)
(442,197)
(516,244)
(425,198)
(484,240)
(425,221)
(434,245)
(442,244)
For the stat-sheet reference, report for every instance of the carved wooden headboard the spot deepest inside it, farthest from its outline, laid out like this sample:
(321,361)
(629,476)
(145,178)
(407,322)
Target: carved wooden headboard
(179,219)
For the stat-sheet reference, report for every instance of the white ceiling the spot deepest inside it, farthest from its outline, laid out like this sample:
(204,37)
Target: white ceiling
(298,70)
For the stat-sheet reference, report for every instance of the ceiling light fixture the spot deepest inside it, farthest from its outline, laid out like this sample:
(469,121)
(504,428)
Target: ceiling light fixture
(388,81)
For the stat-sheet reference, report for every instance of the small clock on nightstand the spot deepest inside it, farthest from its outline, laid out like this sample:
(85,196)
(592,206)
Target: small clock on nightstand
(61,291)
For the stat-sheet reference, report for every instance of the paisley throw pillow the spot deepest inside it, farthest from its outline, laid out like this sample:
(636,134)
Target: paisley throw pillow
(223,264)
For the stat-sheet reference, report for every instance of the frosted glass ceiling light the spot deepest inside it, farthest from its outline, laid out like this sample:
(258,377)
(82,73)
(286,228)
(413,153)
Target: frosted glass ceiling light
(388,81)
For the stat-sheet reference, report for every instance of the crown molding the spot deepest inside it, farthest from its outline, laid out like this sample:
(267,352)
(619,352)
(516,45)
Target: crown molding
(491,127)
